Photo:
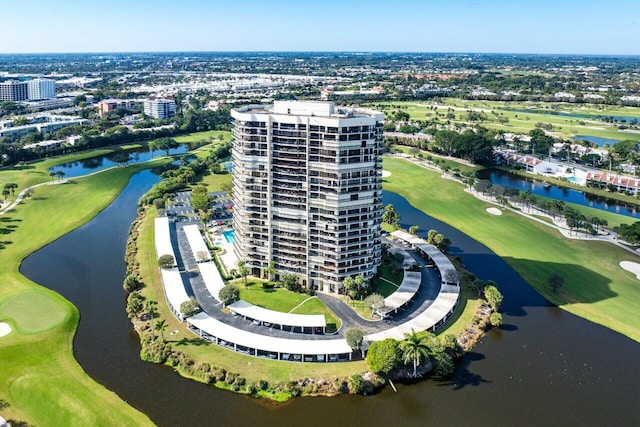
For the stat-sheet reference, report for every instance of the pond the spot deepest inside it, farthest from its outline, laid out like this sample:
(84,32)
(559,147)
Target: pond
(622,119)
(506,179)
(597,139)
(98,163)
(543,364)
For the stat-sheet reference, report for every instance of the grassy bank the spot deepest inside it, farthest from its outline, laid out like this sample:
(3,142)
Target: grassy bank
(596,287)
(40,378)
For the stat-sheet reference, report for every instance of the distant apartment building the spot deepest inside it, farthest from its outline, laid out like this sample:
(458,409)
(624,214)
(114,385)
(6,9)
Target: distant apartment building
(307,190)
(13,90)
(107,105)
(160,108)
(39,89)
(42,123)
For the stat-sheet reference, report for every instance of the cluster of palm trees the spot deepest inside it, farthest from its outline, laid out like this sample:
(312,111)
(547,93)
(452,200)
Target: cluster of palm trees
(59,174)
(575,220)
(160,325)
(418,348)
(9,188)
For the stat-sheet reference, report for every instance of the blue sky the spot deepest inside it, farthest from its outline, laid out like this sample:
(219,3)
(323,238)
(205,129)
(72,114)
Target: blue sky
(509,26)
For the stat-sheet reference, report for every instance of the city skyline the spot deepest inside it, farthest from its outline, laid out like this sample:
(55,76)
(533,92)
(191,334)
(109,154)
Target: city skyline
(542,27)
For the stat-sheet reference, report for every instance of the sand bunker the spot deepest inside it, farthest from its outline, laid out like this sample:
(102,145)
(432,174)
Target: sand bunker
(4,329)
(386,174)
(633,267)
(494,211)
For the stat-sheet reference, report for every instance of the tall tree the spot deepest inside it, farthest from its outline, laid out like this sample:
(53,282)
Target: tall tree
(244,272)
(354,337)
(270,271)
(390,216)
(493,296)
(415,349)
(161,325)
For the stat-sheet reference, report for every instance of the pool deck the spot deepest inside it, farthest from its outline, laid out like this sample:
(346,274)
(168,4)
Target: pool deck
(227,255)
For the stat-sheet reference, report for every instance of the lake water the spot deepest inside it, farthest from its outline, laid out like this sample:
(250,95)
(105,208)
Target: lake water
(577,115)
(507,179)
(597,139)
(98,163)
(543,367)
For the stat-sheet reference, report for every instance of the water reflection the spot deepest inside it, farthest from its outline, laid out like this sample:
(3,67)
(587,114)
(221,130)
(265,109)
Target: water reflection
(507,179)
(118,158)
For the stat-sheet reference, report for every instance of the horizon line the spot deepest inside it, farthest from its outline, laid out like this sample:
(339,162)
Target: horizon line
(380,52)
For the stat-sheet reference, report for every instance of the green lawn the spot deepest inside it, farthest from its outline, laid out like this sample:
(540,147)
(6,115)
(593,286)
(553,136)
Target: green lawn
(383,287)
(208,136)
(524,121)
(596,287)
(40,378)
(281,299)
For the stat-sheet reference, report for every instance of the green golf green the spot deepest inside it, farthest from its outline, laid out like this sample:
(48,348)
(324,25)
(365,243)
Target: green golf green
(33,311)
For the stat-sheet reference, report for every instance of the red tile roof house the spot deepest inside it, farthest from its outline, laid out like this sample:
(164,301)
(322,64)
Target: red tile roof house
(622,183)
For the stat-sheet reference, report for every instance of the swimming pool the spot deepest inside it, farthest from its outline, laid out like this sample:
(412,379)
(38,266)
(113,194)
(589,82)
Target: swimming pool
(228,235)
(573,179)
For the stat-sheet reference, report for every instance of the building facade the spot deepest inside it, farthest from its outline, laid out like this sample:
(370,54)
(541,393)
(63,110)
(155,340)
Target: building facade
(41,89)
(307,190)
(160,108)
(107,105)
(14,91)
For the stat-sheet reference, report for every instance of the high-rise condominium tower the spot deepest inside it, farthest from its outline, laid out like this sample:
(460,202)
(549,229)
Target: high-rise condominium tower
(307,190)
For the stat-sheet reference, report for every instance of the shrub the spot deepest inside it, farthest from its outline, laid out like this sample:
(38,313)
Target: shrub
(135,304)
(230,378)
(219,374)
(131,283)
(154,351)
(166,261)
(291,282)
(189,308)
(158,203)
(383,356)
(356,383)
(495,319)
(229,294)
(444,364)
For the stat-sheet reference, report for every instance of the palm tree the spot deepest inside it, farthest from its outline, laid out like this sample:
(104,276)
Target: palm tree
(60,175)
(270,270)
(244,272)
(161,325)
(12,187)
(359,282)
(150,308)
(348,283)
(52,174)
(414,348)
